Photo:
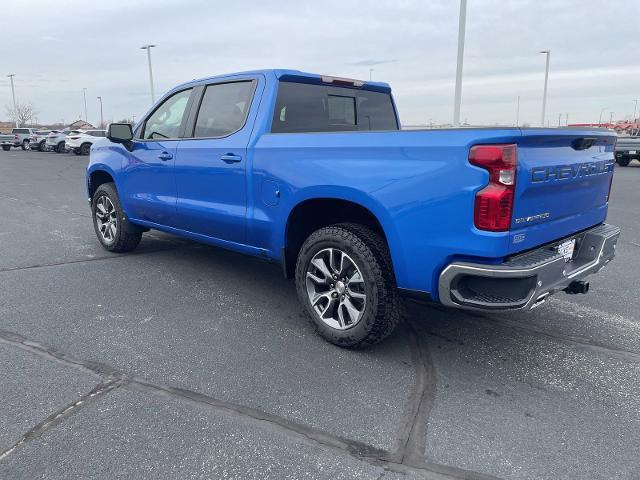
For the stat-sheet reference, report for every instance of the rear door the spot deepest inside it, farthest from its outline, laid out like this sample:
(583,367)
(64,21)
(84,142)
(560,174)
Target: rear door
(148,184)
(210,168)
(562,186)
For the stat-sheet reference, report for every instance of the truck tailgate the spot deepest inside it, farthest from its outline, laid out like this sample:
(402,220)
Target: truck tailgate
(562,186)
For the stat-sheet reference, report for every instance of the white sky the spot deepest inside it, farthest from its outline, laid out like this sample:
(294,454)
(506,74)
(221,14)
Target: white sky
(57,48)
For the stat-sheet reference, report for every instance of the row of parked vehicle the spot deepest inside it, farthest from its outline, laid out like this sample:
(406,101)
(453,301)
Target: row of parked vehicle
(59,141)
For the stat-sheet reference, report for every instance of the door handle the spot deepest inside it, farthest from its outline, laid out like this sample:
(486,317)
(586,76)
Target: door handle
(231,158)
(164,156)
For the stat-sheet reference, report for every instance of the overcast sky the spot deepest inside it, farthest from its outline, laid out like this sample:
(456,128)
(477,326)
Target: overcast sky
(57,48)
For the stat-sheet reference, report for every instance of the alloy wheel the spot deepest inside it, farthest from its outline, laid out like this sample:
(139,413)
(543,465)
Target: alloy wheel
(336,288)
(106,218)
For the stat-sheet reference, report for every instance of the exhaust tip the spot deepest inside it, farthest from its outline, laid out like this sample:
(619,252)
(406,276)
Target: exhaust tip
(577,287)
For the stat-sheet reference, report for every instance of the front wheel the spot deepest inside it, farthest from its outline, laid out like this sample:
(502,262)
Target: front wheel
(112,228)
(25,145)
(6,148)
(345,282)
(60,148)
(42,146)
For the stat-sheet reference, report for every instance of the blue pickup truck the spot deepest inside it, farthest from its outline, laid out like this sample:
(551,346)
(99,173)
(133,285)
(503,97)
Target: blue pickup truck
(314,172)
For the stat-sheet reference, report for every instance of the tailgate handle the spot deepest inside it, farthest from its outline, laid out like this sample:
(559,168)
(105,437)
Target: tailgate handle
(583,143)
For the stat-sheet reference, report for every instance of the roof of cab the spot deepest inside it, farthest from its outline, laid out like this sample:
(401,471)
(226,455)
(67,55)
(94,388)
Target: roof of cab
(293,75)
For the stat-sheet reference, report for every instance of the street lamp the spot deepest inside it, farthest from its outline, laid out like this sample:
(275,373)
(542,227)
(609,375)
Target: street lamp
(370,74)
(635,109)
(84,93)
(610,118)
(457,98)
(600,117)
(148,49)
(546,82)
(101,116)
(13,94)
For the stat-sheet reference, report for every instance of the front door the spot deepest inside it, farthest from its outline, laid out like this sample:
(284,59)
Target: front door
(210,167)
(148,187)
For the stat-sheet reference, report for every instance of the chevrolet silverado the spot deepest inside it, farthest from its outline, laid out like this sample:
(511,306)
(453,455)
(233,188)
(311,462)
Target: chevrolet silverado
(314,172)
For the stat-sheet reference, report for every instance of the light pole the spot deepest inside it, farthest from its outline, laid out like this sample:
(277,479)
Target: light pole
(457,98)
(84,93)
(610,118)
(635,109)
(148,49)
(518,111)
(546,82)
(370,74)
(101,116)
(13,95)
(600,117)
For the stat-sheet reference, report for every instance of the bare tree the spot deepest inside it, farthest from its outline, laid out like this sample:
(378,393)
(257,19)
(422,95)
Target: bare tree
(22,114)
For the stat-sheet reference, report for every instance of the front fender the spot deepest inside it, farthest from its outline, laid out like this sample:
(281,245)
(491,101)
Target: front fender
(107,157)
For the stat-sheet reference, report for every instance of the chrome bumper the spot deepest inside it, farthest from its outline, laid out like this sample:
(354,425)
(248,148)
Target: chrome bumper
(524,281)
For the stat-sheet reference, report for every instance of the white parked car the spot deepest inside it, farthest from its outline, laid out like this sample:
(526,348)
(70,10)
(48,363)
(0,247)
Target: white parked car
(80,143)
(57,138)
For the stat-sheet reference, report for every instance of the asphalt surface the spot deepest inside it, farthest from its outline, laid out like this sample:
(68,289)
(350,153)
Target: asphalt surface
(185,361)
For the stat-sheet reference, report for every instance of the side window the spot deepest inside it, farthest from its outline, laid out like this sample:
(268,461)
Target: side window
(165,121)
(223,109)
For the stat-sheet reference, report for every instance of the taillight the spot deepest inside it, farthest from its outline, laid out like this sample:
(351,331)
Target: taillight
(16,136)
(494,203)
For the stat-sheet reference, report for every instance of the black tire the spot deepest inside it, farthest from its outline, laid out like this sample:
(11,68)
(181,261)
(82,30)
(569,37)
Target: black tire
(76,151)
(85,149)
(623,161)
(382,311)
(25,145)
(60,148)
(6,148)
(127,236)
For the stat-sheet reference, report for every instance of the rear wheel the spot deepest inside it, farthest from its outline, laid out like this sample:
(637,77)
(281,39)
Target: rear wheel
(60,147)
(6,148)
(345,282)
(42,146)
(25,145)
(112,228)
(85,148)
(623,160)
(76,151)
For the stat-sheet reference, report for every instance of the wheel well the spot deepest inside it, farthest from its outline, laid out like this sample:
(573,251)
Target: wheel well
(310,215)
(96,179)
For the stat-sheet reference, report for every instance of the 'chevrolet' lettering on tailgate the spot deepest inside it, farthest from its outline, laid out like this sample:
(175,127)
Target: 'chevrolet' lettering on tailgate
(568,172)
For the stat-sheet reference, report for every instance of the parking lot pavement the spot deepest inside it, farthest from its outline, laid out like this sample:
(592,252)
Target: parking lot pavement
(188,360)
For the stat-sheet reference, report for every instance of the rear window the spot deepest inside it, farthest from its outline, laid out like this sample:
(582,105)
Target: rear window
(302,107)
(20,130)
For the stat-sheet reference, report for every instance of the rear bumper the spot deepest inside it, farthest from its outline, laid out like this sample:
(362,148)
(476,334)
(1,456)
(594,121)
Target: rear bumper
(524,281)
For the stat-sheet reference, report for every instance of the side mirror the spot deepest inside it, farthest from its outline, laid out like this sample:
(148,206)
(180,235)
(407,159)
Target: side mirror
(120,132)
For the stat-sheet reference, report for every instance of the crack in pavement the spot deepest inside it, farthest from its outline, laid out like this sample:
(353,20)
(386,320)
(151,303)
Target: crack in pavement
(113,378)
(411,449)
(57,417)
(81,260)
